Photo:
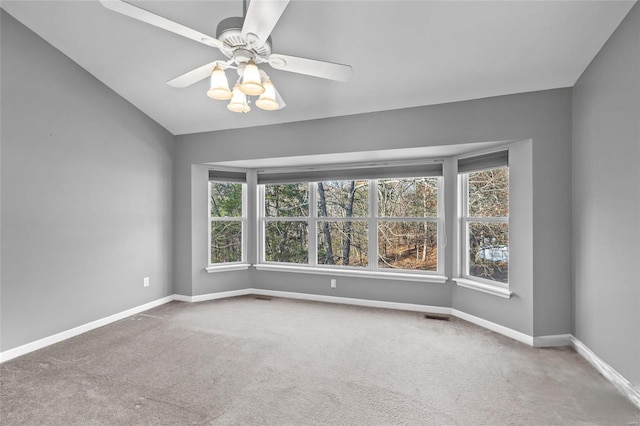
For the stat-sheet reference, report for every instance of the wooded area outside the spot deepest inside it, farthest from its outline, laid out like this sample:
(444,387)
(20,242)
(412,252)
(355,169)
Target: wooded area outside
(286,240)
(406,220)
(408,244)
(225,202)
(488,250)
(407,227)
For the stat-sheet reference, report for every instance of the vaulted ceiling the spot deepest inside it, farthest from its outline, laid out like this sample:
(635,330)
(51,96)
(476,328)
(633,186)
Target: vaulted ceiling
(403,53)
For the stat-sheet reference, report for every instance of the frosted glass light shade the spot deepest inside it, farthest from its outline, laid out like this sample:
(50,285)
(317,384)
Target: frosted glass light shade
(219,85)
(251,80)
(238,101)
(267,100)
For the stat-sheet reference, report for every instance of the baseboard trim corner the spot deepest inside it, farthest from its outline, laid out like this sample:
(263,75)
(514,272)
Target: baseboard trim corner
(67,334)
(553,340)
(618,380)
(500,329)
(211,296)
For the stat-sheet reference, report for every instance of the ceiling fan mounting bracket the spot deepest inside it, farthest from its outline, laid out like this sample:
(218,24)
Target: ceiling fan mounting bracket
(229,32)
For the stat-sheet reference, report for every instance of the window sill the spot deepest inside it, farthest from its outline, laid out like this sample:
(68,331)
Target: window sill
(353,273)
(485,288)
(226,268)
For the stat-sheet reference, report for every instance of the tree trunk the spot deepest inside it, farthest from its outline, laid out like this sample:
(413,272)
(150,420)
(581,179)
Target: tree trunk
(426,226)
(346,245)
(325,225)
(426,240)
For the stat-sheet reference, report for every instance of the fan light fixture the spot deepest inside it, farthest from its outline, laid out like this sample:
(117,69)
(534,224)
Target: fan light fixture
(238,101)
(267,100)
(252,82)
(219,85)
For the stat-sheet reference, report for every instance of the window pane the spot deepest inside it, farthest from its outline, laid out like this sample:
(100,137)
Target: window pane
(489,193)
(408,245)
(226,199)
(226,241)
(346,198)
(286,200)
(411,197)
(489,251)
(343,243)
(286,241)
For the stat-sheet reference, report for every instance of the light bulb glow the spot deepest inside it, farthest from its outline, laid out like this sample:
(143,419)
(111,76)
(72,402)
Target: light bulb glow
(238,101)
(267,100)
(251,80)
(219,85)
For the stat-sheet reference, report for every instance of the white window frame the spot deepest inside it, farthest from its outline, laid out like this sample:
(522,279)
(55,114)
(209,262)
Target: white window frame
(466,280)
(372,269)
(263,219)
(228,266)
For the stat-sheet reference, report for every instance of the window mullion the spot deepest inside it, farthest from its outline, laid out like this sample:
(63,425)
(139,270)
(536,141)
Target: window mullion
(409,219)
(441,231)
(465,226)
(228,219)
(261,223)
(489,219)
(209,224)
(313,225)
(373,225)
(244,227)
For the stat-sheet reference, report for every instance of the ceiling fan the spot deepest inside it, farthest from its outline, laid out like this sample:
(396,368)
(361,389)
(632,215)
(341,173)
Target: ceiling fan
(247,43)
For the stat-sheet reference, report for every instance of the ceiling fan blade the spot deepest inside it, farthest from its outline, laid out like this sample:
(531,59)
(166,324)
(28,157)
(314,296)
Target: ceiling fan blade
(312,67)
(262,16)
(160,22)
(193,76)
(279,99)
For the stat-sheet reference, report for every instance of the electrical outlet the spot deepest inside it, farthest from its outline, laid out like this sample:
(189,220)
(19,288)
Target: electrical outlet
(333,283)
(146,281)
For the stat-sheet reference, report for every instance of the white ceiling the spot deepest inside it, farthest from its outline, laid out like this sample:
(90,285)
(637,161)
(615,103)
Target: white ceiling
(403,53)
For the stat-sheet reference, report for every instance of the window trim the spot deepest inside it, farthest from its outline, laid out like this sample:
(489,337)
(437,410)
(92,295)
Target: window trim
(242,263)
(372,220)
(465,279)
(346,271)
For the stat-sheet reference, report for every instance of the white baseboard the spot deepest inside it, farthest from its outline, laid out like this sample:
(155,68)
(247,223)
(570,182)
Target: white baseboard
(212,296)
(64,335)
(505,331)
(552,341)
(182,298)
(619,381)
(352,301)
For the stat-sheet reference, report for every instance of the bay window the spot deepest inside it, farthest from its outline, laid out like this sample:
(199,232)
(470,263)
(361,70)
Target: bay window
(380,219)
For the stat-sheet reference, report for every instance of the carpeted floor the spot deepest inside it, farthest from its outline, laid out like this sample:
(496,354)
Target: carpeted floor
(284,362)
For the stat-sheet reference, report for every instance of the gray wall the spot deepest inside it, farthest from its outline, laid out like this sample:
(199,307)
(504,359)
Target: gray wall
(543,117)
(606,201)
(86,195)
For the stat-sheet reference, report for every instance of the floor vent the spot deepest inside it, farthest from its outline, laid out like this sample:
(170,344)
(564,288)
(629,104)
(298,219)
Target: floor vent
(438,317)
(263,298)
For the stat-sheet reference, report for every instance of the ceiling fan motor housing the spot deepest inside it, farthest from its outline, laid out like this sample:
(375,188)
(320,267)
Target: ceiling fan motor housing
(229,32)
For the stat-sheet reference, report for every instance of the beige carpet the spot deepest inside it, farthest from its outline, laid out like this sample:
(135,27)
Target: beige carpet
(247,361)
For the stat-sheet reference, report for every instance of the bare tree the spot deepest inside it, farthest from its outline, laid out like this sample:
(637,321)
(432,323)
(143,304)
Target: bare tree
(346,245)
(325,225)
